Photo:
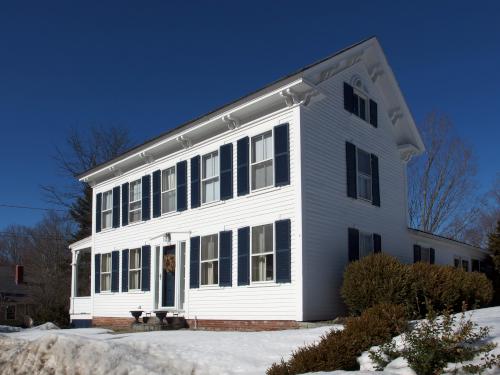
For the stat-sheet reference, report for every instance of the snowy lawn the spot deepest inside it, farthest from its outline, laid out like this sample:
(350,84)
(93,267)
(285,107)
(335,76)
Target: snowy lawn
(97,351)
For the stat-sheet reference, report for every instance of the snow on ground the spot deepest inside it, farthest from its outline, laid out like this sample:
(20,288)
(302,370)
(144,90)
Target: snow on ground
(98,351)
(48,350)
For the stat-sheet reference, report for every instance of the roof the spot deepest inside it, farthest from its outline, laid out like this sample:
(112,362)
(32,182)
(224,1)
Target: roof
(443,238)
(267,88)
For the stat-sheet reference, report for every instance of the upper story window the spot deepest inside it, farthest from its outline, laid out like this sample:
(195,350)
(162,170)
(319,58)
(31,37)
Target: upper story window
(210,184)
(134,269)
(360,105)
(364,172)
(209,260)
(262,160)
(263,253)
(168,190)
(107,209)
(106,272)
(365,244)
(135,199)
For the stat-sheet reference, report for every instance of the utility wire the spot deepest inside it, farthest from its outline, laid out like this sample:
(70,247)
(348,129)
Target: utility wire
(30,207)
(27,235)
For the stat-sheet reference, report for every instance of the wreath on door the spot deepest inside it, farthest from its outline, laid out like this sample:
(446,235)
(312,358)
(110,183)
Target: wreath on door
(169,263)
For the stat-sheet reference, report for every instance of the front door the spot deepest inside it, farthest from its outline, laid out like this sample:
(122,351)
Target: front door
(168,276)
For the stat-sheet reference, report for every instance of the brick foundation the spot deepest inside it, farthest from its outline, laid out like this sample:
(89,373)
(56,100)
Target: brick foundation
(206,324)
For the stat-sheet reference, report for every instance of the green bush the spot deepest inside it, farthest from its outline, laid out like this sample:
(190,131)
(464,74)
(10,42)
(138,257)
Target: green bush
(420,287)
(378,278)
(438,341)
(339,350)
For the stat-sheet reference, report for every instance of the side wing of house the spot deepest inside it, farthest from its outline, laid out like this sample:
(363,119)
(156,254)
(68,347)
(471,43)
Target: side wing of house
(355,144)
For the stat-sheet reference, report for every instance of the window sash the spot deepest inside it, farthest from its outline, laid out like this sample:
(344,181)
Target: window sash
(361,105)
(10,312)
(105,272)
(107,209)
(135,201)
(168,190)
(262,253)
(210,183)
(365,244)
(364,174)
(134,269)
(209,260)
(262,158)
(425,254)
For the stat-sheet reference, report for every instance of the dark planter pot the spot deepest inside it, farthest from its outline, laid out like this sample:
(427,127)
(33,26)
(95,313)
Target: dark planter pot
(136,314)
(145,319)
(161,315)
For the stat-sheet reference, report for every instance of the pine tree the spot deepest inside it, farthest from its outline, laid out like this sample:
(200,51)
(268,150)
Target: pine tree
(494,246)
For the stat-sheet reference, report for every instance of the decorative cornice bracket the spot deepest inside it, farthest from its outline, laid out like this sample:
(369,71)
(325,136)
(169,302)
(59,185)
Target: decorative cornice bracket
(148,158)
(184,141)
(375,71)
(407,151)
(293,98)
(231,122)
(395,114)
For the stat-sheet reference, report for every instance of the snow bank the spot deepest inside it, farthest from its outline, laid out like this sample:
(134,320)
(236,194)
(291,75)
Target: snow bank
(8,329)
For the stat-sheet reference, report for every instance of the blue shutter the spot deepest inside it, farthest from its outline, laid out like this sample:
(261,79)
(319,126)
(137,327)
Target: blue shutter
(432,256)
(281,155)
(125,203)
(157,193)
(146,200)
(350,153)
(97,273)
(417,253)
(283,251)
(225,258)
(244,256)
(194,263)
(195,181)
(243,173)
(375,181)
(125,270)
(226,171)
(353,244)
(377,243)
(373,113)
(98,211)
(348,98)
(146,268)
(116,207)
(181,186)
(115,271)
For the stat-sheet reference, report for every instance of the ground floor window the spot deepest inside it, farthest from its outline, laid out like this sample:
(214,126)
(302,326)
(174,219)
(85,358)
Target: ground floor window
(10,312)
(262,253)
(134,273)
(209,260)
(106,272)
(460,262)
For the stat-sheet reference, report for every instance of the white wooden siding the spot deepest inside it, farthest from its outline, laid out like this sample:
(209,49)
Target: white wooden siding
(270,301)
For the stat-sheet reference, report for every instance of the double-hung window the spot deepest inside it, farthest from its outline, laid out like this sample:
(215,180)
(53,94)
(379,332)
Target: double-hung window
(425,254)
(106,272)
(135,199)
(210,184)
(107,209)
(209,260)
(365,244)
(262,160)
(10,312)
(364,175)
(263,253)
(360,105)
(168,190)
(134,269)
(460,262)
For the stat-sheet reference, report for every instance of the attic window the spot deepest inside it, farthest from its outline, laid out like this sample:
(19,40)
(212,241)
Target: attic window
(359,104)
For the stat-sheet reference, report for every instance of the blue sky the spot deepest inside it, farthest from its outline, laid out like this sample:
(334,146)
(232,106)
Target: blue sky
(150,65)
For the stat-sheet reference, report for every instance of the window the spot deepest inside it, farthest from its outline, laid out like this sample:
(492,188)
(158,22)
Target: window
(262,161)
(210,178)
(465,265)
(456,262)
(425,254)
(360,105)
(262,253)
(134,269)
(106,272)
(476,265)
(460,262)
(135,199)
(365,244)
(210,260)
(364,175)
(10,312)
(168,190)
(107,209)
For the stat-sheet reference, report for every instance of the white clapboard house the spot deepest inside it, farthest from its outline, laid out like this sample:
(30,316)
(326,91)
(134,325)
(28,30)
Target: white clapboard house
(247,216)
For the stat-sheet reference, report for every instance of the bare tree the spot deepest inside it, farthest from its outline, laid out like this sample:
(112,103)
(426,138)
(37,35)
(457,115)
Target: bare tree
(14,241)
(82,152)
(442,181)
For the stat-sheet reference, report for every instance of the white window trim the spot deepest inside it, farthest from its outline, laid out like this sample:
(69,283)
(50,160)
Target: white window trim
(358,173)
(168,191)
(366,98)
(130,203)
(6,312)
(260,162)
(106,273)
(135,269)
(273,281)
(211,260)
(107,210)
(212,178)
